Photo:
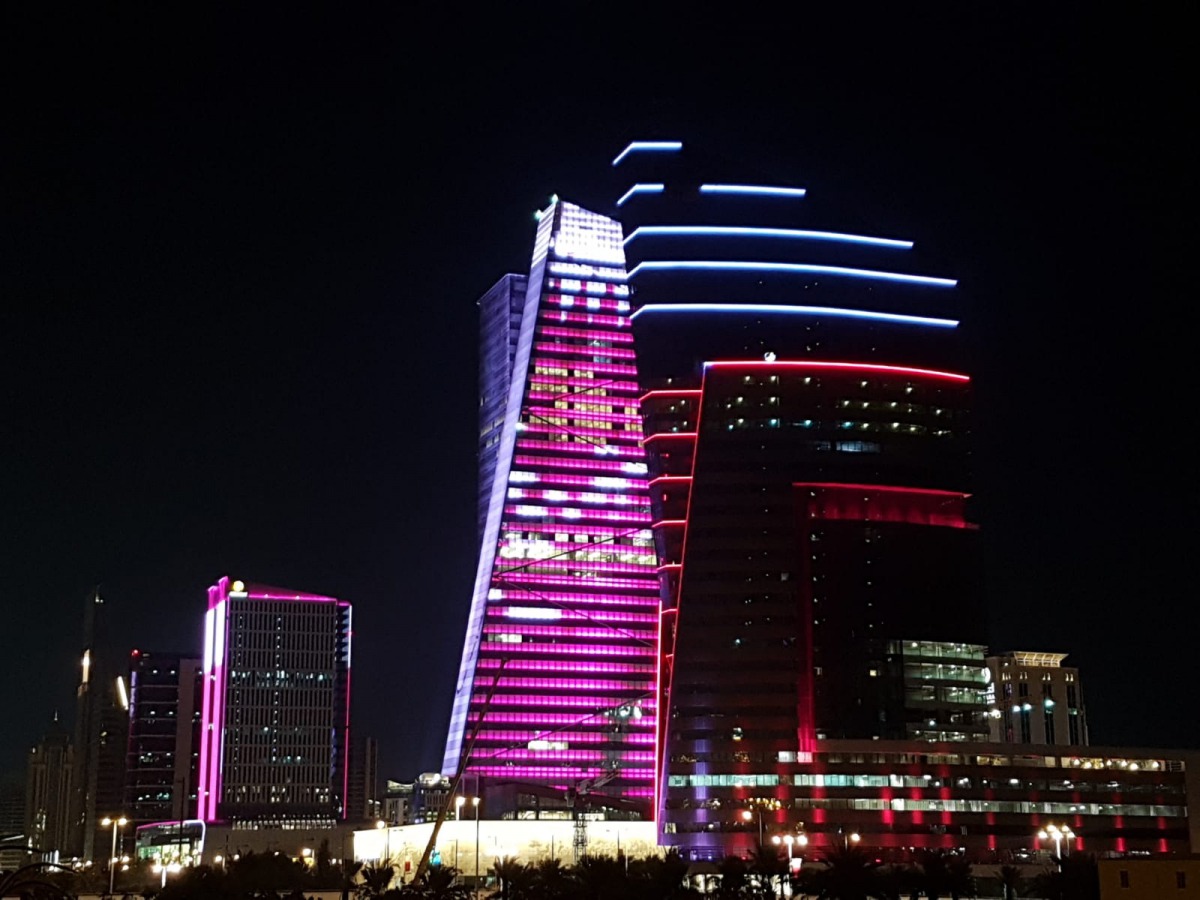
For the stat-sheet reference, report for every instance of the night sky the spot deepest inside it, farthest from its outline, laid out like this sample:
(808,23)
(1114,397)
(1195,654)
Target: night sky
(241,251)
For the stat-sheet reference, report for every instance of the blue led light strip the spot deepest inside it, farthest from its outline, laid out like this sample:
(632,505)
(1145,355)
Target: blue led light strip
(636,146)
(759,189)
(641,189)
(737,231)
(768,309)
(804,268)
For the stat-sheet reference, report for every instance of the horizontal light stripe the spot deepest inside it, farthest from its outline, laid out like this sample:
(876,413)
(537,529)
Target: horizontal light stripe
(741,231)
(797,268)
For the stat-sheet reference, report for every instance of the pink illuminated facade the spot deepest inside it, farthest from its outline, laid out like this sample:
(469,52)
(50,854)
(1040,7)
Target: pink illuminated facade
(275,714)
(557,682)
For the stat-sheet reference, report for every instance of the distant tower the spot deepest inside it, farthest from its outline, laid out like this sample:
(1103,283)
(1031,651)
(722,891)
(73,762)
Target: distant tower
(275,714)
(101,729)
(1038,699)
(49,795)
(163,755)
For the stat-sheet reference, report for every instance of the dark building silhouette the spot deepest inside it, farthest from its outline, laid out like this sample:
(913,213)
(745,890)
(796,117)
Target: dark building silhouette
(49,796)
(163,750)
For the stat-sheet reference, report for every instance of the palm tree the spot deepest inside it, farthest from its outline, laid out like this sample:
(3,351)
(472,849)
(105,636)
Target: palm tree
(374,880)
(509,872)
(770,868)
(849,873)
(600,878)
(734,877)
(1010,880)
(550,880)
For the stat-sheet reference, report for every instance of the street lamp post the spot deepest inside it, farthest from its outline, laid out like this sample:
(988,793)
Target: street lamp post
(747,815)
(852,838)
(475,803)
(387,838)
(116,825)
(1058,835)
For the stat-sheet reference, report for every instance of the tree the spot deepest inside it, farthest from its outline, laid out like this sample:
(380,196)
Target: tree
(848,873)
(769,867)
(509,873)
(734,877)
(1010,880)
(374,880)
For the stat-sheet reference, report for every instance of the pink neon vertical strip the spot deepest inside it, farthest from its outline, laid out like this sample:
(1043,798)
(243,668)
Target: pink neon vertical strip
(206,712)
(346,731)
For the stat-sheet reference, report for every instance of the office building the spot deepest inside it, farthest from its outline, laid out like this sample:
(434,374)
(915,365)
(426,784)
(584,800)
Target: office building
(14,842)
(807,434)
(100,735)
(499,326)
(1038,700)
(49,796)
(365,796)
(555,688)
(275,709)
(163,752)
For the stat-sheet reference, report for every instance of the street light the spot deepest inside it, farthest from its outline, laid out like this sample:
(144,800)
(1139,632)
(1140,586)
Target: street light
(747,815)
(475,803)
(116,825)
(1058,835)
(387,839)
(852,838)
(790,840)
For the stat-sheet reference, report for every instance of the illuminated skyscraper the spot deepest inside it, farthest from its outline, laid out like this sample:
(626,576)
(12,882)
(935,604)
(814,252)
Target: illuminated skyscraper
(275,710)
(555,689)
(807,427)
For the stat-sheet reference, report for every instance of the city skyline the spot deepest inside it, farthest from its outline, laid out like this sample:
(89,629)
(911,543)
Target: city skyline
(247,347)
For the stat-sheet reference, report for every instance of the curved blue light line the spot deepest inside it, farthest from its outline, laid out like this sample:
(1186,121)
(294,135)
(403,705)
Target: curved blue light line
(759,189)
(635,146)
(769,309)
(641,189)
(809,268)
(740,231)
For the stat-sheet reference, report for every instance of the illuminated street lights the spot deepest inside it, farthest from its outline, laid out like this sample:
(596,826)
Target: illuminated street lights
(852,838)
(387,840)
(116,825)
(747,815)
(798,840)
(475,803)
(1058,835)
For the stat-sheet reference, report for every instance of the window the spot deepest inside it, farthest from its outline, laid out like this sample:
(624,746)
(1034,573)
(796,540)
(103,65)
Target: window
(1181,880)
(1124,876)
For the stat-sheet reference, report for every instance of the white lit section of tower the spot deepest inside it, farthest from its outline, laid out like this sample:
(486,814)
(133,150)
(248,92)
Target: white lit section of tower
(557,681)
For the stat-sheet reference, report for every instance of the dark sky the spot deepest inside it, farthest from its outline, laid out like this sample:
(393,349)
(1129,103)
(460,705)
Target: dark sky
(241,251)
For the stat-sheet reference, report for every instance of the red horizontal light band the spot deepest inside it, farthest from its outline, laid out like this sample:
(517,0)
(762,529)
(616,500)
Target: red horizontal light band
(850,366)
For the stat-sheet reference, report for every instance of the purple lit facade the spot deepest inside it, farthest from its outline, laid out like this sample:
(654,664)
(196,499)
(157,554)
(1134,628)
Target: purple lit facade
(557,680)
(275,708)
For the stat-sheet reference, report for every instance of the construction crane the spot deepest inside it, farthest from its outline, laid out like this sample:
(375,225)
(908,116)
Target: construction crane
(581,794)
(423,865)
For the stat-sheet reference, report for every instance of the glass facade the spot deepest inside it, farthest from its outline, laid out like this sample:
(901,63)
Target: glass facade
(275,723)
(556,686)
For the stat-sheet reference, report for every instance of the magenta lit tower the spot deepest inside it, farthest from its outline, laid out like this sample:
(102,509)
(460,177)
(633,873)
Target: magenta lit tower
(275,723)
(555,694)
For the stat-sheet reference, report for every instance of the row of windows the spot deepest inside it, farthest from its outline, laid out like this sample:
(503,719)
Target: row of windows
(1026,807)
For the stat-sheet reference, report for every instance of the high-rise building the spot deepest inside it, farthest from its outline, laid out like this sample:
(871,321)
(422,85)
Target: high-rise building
(101,731)
(1038,700)
(555,693)
(275,713)
(163,752)
(49,796)
(14,842)
(499,326)
(365,797)
(807,435)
